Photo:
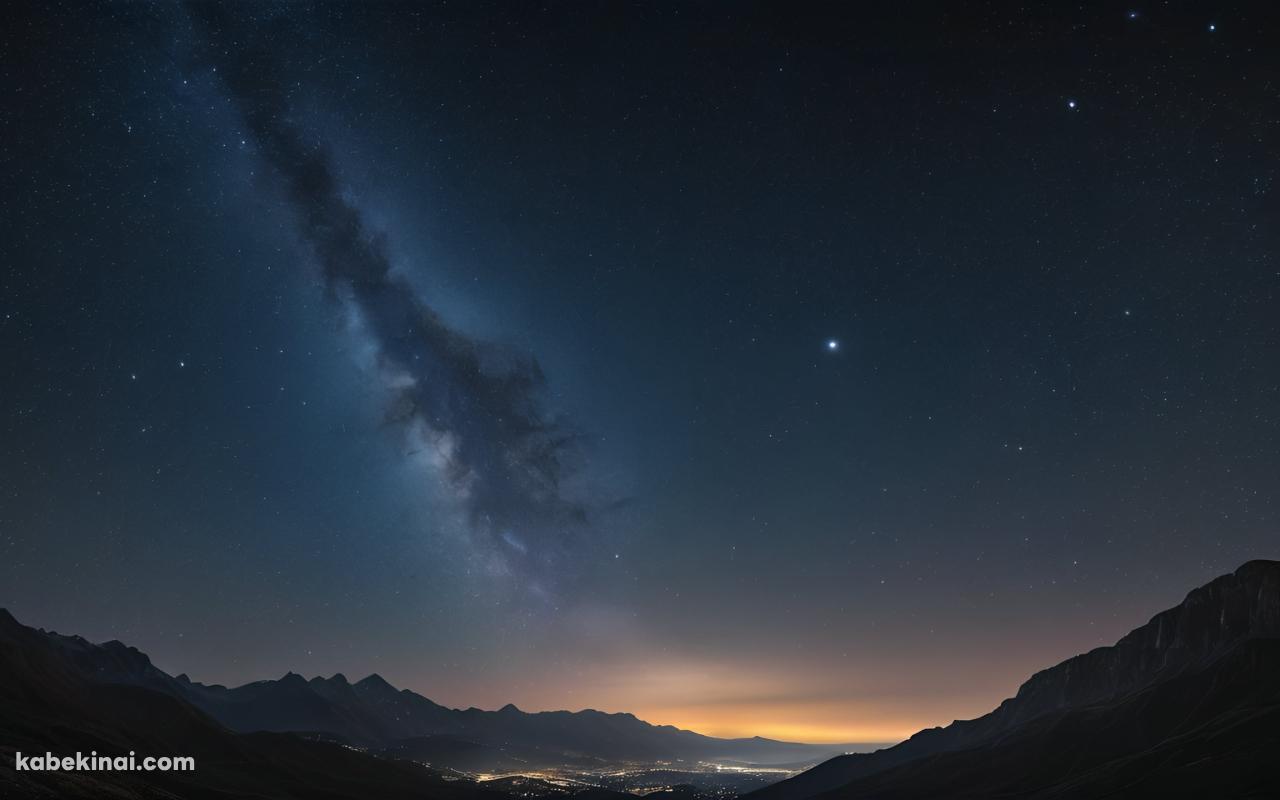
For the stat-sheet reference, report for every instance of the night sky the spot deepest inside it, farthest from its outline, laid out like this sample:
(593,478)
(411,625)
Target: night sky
(753,369)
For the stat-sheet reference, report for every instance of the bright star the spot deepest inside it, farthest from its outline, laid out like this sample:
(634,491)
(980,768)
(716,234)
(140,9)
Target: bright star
(1071,104)
(833,345)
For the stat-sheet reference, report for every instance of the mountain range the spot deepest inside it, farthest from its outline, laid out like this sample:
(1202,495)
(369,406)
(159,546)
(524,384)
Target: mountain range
(372,714)
(1187,705)
(293,737)
(52,700)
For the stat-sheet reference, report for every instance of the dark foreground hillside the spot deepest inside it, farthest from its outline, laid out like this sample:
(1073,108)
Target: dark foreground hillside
(1187,705)
(49,702)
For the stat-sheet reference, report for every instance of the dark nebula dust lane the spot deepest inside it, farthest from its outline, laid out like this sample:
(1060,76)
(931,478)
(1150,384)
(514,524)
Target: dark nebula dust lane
(476,406)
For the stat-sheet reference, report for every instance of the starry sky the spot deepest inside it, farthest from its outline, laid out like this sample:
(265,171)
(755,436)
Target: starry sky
(753,369)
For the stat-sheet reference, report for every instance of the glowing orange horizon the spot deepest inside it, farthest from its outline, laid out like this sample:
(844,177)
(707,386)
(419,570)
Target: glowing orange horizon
(793,732)
(871,702)
(792,722)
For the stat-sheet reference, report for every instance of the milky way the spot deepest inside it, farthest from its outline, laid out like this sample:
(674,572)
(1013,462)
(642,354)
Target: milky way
(474,405)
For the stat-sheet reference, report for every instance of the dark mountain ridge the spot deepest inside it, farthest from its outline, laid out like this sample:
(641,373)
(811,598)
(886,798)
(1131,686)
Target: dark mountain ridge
(1160,683)
(51,700)
(1187,705)
(372,713)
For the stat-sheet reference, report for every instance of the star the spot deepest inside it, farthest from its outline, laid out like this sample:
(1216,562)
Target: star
(832,345)
(1071,104)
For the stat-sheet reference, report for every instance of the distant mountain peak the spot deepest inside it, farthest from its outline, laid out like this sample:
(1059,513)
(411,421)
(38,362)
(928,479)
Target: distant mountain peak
(509,708)
(376,683)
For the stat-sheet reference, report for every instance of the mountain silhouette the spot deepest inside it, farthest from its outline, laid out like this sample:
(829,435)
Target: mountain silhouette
(370,714)
(63,695)
(1188,705)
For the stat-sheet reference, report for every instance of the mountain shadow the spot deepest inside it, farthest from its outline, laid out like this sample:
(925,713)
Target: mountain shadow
(51,701)
(1187,705)
(292,737)
(373,714)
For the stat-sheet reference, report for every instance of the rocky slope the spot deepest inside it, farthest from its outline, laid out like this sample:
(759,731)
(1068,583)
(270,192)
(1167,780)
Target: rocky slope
(1231,613)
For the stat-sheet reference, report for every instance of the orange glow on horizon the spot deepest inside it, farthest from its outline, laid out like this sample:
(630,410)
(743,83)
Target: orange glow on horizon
(878,701)
(832,725)
(793,732)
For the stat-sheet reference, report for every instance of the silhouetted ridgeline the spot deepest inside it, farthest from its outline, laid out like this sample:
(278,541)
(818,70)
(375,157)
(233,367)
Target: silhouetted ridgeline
(374,714)
(1186,705)
(64,694)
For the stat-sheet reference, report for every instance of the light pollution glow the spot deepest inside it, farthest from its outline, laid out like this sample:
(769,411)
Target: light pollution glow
(730,702)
